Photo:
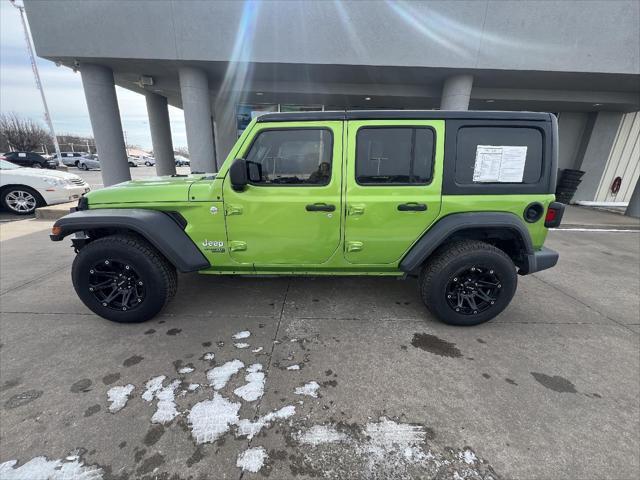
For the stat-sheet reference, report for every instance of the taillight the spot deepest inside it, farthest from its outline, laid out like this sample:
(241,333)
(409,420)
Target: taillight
(554,215)
(551,215)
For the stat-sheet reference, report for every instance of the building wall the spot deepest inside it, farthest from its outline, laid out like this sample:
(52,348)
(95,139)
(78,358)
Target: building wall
(540,35)
(623,161)
(571,129)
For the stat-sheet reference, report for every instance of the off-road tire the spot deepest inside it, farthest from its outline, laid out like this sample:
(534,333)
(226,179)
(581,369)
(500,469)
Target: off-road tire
(154,270)
(449,261)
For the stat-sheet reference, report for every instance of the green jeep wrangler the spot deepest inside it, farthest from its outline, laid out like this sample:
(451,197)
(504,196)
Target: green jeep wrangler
(460,200)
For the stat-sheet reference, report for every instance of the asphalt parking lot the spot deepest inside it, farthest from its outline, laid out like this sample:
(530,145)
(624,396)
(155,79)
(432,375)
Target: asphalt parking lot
(359,380)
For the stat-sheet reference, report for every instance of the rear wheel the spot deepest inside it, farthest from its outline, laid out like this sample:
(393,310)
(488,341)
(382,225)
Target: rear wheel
(21,200)
(468,283)
(36,165)
(83,166)
(123,278)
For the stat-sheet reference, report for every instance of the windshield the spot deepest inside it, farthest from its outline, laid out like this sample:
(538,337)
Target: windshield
(4,165)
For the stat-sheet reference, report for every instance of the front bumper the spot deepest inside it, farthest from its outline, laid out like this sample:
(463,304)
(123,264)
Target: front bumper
(64,194)
(540,260)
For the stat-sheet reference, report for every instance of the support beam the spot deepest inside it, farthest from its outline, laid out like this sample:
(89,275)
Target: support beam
(633,210)
(102,102)
(456,92)
(196,103)
(160,127)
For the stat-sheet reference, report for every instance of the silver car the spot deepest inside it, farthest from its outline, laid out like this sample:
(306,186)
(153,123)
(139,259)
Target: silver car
(89,162)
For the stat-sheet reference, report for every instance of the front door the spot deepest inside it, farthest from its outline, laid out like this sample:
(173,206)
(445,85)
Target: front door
(393,178)
(291,215)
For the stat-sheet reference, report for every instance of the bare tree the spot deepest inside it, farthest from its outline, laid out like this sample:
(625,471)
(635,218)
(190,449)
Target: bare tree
(21,134)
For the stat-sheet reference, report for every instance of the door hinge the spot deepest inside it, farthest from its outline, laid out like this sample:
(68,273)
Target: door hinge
(357,209)
(237,246)
(354,246)
(232,210)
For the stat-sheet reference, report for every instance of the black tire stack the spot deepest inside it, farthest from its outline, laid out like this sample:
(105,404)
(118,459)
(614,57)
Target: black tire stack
(568,184)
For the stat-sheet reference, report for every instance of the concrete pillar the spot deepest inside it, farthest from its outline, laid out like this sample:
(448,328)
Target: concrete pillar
(100,92)
(456,92)
(226,128)
(598,144)
(160,127)
(196,103)
(633,210)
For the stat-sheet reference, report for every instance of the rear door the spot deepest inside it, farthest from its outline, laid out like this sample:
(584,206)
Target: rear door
(393,186)
(291,216)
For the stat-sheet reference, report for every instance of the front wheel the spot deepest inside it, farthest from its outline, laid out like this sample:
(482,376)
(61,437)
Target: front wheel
(83,166)
(468,282)
(21,200)
(36,165)
(123,278)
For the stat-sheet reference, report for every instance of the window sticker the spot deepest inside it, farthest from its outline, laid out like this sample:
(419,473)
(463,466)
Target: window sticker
(499,163)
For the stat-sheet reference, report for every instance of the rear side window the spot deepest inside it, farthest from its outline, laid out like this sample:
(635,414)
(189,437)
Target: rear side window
(291,157)
(394,156)
(472,142)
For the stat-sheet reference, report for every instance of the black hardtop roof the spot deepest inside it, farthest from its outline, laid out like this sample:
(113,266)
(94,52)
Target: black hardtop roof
(403,115)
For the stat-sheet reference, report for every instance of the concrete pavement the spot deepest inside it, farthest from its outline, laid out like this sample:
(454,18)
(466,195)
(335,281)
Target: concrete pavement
(547,390)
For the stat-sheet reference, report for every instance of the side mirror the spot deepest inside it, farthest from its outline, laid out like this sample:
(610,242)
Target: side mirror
(238,174)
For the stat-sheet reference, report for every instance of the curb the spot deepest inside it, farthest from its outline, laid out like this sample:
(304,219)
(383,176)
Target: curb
(54,212)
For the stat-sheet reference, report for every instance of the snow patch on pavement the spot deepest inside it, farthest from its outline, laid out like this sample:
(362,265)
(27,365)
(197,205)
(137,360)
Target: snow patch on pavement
(166,408)
(252,459)
(319,434)
(186,370)
(118,397)
(241,345)
(39,468)
(293,367)
(310,389)
(210,419)
(208,356)
(193,386)
(152,386)
(241,335)
(257,350)
(250,429)
(219,376)
(254,389)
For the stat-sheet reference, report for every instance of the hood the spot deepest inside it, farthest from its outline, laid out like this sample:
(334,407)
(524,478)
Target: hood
(39,172)
(152,189)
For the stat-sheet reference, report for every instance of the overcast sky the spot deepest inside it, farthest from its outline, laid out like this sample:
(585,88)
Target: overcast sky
(63,88)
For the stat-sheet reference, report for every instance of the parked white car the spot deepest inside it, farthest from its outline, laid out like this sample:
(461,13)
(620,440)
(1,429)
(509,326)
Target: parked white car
(22,190)
(89,162)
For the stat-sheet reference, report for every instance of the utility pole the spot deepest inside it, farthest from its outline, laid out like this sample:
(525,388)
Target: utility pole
(36,76)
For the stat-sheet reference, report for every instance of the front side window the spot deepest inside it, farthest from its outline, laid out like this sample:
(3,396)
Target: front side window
(291,157)
(394,156)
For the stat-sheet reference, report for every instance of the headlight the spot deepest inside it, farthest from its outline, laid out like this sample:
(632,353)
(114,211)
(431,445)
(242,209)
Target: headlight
(56,182)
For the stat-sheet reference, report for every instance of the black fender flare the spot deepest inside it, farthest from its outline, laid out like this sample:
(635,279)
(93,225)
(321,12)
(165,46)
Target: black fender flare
(158,228)
(456,222)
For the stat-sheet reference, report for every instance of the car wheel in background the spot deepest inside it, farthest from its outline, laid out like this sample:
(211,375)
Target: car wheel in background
(147,163)
(123,278)
(20,200)
(36,165)
(83,166)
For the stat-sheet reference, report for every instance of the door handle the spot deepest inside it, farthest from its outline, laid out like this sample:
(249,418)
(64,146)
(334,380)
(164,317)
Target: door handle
(320,207)
(412,207)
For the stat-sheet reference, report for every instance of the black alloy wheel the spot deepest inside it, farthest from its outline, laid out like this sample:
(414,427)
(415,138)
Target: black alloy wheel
(473,290)
(116,285)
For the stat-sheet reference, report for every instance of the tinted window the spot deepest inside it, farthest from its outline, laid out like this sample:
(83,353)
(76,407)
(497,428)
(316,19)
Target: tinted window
(400,156)
(470,137)
(291,157)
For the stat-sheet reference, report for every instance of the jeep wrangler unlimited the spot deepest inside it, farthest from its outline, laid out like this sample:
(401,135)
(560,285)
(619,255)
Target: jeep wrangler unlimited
(460,200)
